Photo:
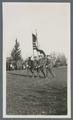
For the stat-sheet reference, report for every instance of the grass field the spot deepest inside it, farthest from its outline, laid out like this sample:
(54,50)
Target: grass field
(36,96)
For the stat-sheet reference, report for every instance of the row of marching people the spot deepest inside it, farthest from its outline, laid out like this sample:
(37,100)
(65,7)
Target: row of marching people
(40,64)
(43,65)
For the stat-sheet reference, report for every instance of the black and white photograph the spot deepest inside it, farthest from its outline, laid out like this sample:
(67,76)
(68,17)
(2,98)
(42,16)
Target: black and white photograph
(36,60)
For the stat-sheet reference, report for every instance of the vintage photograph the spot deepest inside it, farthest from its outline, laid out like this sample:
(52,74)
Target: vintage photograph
(36,60)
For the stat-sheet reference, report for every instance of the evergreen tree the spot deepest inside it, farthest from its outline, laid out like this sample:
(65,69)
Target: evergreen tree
(16,53)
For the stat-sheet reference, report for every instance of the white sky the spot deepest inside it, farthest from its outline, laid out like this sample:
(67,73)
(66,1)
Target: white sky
(52,21)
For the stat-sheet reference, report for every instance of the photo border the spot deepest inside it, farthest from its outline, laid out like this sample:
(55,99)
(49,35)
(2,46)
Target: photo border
(1,54)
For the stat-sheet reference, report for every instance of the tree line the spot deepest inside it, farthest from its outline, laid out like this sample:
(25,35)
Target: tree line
(16,58)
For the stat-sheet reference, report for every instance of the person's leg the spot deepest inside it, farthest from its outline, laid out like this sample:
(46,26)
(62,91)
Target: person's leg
(51,72)
(38,72)
(42,70)
(46,72)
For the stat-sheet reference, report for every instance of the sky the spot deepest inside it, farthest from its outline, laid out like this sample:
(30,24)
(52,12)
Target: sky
(50,20)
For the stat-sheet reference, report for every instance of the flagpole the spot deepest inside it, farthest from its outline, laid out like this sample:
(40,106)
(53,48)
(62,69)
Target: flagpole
(33,54)
(37,43)
(33,49)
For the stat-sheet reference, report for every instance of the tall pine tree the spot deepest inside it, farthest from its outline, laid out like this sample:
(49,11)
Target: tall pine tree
(16,53)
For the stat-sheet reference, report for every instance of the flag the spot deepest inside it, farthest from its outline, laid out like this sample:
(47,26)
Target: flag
(34,38)
(41,51)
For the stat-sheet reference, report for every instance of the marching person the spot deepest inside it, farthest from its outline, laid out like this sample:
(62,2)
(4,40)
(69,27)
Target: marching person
(49,67)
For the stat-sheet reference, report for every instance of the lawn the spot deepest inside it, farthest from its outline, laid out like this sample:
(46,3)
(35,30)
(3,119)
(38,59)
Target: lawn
(36,96)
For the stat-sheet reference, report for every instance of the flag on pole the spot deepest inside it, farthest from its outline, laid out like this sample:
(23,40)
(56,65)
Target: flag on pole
(34,39)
